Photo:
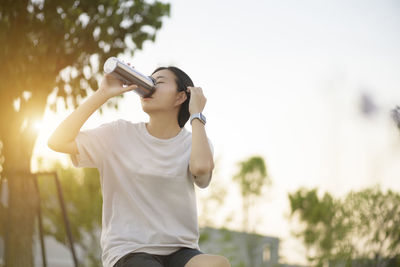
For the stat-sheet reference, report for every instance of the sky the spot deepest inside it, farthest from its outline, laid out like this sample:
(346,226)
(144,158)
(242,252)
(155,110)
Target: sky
(283,80)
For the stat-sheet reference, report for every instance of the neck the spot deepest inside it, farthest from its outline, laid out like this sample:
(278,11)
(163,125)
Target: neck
(163,126)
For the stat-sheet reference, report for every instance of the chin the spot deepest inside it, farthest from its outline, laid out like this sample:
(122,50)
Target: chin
(148,109)
(145,109)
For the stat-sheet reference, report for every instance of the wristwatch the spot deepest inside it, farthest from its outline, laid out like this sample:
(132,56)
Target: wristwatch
(198,116)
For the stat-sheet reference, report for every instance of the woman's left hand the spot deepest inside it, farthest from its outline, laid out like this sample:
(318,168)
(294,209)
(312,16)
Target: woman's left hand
(197,100)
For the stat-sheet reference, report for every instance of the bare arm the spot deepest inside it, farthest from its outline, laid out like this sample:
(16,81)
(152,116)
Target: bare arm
(63,138)
(201,159)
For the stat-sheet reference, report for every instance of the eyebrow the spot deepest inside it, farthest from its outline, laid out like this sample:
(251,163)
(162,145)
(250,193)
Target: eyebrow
(160,77)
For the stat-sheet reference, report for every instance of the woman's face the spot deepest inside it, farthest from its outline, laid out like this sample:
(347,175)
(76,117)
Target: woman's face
(166,97)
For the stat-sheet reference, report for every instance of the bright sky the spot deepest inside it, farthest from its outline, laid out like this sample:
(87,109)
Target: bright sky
(283,80)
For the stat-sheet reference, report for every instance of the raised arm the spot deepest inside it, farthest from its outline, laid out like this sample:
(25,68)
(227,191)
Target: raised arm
(63,138)
(201,159)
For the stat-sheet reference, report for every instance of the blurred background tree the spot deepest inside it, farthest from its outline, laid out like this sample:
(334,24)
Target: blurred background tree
(83,199)
(54,47)
(252,178)
(362,229)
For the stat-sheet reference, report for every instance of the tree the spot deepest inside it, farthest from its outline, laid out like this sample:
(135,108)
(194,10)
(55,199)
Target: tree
(83,201)
(54,47)
(362,229)
(252,176)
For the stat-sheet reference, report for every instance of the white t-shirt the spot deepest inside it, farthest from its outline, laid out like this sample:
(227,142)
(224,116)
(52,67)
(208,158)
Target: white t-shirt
(149,202)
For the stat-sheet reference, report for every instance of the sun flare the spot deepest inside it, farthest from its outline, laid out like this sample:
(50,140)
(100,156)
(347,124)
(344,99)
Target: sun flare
(37,125)
(43,127)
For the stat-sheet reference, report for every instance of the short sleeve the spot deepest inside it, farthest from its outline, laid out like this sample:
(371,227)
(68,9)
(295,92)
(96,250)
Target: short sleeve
(93,144)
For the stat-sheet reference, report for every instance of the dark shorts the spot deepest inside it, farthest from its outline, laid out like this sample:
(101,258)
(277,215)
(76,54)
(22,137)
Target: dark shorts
(141,259)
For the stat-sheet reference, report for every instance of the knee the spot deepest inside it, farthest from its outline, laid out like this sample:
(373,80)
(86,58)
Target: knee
(206,260)
(221,261)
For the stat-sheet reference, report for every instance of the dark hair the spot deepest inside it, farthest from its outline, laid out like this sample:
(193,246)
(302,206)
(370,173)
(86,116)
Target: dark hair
(182,81)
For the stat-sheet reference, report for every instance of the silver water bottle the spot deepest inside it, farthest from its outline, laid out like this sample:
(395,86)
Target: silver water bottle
(129,75)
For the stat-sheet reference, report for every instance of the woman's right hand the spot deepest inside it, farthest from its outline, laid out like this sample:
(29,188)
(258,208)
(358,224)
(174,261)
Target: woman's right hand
(111,86)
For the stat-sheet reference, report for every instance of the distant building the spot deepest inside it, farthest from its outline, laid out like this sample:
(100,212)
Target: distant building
(242,249)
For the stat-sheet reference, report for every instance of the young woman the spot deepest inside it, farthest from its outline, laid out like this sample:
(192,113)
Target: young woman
(148,171)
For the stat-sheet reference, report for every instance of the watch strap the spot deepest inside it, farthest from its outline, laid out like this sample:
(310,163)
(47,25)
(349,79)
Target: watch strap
(198,116)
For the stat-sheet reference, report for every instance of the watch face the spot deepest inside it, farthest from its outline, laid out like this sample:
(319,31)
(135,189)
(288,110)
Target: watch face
(203,118)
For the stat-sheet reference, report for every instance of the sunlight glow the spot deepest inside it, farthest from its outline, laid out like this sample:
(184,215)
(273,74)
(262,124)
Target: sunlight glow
(37,125)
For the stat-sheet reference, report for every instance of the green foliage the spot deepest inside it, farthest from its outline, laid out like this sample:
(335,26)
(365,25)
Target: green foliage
(204,237)
(252,176)
(41,38)
(83,201)
(362,229)
(61,45)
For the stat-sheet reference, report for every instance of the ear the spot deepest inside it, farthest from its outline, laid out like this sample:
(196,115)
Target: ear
(180,98)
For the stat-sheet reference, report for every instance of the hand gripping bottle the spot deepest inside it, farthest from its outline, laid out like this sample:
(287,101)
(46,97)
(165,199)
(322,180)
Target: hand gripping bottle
(129,75)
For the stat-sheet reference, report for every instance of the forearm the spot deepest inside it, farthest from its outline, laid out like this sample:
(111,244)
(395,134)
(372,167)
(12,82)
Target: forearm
(67,131)
(201,158)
